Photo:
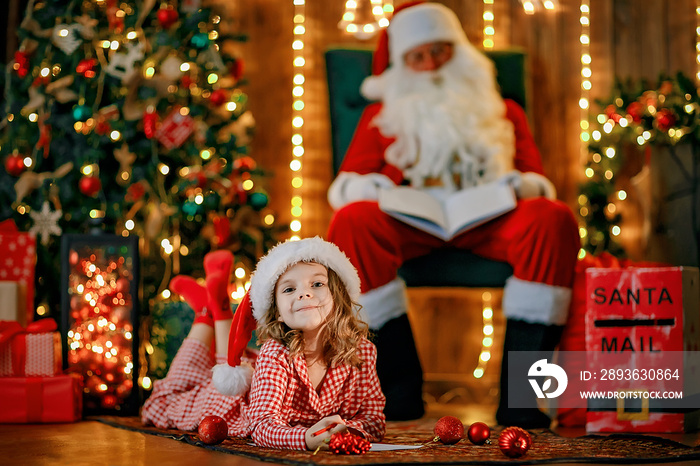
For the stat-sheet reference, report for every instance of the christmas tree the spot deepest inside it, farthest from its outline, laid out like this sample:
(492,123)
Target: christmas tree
(129,118)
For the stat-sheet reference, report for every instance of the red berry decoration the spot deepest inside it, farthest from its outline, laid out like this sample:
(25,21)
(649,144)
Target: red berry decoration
(212,430)
(89,185)
(514,442)
(448,430)
(345,443)
(479,433)
(14,164)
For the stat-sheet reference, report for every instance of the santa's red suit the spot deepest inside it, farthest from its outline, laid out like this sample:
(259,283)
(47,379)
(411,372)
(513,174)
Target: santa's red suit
(539,238)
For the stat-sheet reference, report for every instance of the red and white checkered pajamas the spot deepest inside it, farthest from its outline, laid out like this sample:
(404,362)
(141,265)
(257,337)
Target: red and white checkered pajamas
(281,404)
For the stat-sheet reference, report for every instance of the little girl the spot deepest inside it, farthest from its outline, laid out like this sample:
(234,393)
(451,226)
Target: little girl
(315,370)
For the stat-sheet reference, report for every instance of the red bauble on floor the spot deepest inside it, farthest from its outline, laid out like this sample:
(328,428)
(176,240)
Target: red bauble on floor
(514,442)
(212,430)
(448,430)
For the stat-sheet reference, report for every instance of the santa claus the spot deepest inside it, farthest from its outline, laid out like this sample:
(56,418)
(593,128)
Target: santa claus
(440,124)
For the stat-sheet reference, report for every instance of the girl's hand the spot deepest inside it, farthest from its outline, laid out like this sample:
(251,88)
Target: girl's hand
(318,435)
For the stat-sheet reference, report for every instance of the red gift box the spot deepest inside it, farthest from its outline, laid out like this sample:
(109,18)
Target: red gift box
(18,253)
(648,320)
(31,352)
(175,129)
(41,399)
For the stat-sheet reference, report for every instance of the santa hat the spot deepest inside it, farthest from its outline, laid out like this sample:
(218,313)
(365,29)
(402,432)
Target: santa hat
(413,24)
(233,378)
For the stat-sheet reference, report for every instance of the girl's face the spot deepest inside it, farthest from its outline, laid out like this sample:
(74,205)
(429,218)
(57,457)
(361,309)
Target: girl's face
(303,298)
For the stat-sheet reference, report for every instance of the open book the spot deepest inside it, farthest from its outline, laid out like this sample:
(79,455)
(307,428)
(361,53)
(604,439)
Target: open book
(447,218)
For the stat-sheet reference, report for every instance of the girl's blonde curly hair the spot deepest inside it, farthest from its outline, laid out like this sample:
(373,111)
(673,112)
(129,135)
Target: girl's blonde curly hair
(341,333)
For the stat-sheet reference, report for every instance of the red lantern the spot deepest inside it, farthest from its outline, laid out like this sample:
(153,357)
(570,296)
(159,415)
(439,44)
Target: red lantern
(90,185)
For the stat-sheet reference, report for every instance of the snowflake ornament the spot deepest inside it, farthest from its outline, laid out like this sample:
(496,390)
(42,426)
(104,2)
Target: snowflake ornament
(46,223)
(66,38)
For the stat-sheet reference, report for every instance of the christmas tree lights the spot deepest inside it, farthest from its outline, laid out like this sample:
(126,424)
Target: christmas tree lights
(131,118)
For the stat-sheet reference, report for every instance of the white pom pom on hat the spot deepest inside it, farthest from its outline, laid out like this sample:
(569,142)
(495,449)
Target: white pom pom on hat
(233,378)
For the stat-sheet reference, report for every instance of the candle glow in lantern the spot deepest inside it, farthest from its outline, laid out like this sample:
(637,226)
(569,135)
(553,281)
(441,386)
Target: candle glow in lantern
(100,315)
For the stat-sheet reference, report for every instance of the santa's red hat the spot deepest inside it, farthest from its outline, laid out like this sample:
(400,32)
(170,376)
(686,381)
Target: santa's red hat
(413,24)
(233,378)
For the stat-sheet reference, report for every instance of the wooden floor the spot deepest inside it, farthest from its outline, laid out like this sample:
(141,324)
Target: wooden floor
(94,443)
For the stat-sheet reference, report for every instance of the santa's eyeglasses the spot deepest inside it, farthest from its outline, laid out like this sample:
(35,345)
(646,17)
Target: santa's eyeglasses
(435,52)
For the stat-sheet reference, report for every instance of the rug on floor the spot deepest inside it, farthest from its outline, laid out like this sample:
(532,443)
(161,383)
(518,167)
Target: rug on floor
(548,448)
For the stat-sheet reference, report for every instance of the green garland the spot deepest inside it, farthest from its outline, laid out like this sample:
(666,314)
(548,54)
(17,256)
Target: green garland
(638,116)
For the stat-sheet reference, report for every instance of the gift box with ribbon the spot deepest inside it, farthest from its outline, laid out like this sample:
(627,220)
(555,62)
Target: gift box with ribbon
(18,252)
(34,351)
(41,399)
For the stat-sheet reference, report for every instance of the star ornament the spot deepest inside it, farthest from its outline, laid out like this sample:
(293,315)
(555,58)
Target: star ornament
(46,223)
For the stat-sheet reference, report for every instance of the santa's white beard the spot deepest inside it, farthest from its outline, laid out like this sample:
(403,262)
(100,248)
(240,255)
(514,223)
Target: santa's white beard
(445,125)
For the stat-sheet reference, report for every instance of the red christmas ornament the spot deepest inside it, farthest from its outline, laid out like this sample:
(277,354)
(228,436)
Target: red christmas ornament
(86,67)
(346,443)
(514,442)
(448,430)
(21,65)
(14,164)
(611,112)
(666,88)
(167,17)
(150,119)
(218,97)
(90,185)
(479,433)
(116,20)
(236,69)
(244,163)
(212,430)
(135,192)
(636,111)
(102,127)
(665,119)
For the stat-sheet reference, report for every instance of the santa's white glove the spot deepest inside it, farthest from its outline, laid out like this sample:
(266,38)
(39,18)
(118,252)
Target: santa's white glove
(351,187)
(529,184)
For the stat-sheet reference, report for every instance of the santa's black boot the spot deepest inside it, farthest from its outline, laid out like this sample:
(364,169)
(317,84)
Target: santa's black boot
(524,336)
(399,370)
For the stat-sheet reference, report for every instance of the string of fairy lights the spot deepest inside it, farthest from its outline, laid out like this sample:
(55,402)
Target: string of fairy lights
(489,31)
(697,39)
(584,105)
(298,81)
(380,18)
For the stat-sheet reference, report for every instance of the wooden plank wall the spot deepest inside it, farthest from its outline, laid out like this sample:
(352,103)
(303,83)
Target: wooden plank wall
(629,38)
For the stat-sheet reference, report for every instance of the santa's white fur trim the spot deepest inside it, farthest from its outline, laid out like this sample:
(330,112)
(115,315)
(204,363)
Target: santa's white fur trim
(534,182)
(284,255)
(382,304)
(536,302)
(232,381)
(352,187)
(372,88)
(422,24)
